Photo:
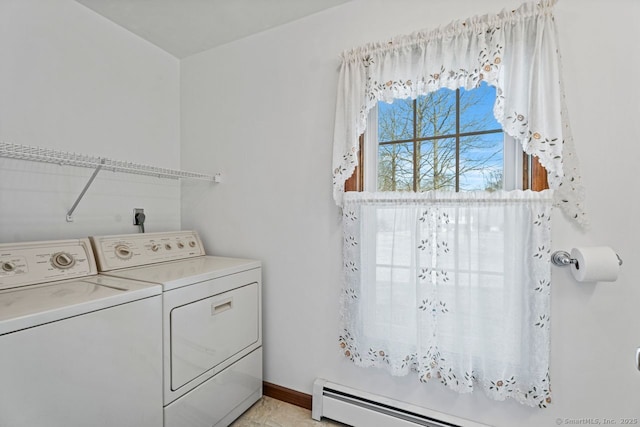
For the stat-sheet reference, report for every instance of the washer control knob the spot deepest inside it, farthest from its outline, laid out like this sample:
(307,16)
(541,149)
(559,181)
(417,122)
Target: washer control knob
(155,247)
(8,266)
(167,246)
(180,245)
(62,260)
(123,252)
(192,244)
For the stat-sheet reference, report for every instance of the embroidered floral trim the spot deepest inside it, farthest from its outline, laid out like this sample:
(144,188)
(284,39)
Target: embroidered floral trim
(433,366)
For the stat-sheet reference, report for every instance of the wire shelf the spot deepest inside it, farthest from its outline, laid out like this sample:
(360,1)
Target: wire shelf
(48,155)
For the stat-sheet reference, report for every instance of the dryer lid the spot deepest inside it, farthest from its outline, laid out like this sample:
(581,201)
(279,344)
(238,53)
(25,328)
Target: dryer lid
(185,272)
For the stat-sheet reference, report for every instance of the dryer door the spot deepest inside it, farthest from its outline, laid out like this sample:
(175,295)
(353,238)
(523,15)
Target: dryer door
(207,332)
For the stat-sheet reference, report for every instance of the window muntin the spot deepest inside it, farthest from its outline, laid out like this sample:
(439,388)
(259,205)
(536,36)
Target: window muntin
(445,140)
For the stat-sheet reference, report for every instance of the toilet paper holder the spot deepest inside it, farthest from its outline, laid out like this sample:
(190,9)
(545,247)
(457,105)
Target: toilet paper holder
(563,258)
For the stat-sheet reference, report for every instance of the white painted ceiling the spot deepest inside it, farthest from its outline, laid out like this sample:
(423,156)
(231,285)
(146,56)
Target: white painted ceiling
(185,27)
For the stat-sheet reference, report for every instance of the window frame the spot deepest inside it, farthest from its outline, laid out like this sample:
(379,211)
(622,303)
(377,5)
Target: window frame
(524,174)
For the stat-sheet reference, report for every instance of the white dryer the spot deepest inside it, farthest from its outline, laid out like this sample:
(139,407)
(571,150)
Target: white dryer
(212,322)
(76,349)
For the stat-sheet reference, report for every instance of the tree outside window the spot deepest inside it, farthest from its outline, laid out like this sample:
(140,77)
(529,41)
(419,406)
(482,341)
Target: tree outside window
(445,140)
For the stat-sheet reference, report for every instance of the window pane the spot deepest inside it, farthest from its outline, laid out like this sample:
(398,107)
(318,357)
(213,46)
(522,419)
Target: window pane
(480,165)
(481,162)
(395,121)
(437,165)
(395,167)
(476,109)
(436,113)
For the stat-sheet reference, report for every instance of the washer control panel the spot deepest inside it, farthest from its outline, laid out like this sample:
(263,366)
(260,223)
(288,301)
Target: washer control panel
(134,250)
(28,263)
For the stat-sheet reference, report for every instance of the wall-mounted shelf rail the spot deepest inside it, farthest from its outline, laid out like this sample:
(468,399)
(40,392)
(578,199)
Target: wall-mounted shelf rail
(48,155)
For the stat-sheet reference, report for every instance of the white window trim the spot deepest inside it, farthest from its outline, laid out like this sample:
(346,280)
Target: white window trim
(370,157)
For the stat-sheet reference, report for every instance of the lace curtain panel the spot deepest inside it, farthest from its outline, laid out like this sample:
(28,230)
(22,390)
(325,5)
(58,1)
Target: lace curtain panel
(516,51)
(452,286)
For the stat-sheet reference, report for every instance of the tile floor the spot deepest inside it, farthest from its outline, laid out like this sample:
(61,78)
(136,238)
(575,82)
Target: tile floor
(275,413)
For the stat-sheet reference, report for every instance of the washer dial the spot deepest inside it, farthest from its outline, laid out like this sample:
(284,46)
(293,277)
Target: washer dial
(8,266)
(123,251)
(62,260)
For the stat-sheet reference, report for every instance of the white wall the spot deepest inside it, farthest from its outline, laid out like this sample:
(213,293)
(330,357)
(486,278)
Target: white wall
(71,80)
(261,111)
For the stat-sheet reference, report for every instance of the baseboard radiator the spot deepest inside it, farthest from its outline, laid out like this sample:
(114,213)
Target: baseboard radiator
(361,409)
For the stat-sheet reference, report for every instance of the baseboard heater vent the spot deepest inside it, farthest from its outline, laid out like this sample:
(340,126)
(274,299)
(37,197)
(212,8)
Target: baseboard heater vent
(361,409)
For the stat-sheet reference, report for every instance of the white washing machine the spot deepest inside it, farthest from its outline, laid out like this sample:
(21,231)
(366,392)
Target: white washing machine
(212,322)
(76,349)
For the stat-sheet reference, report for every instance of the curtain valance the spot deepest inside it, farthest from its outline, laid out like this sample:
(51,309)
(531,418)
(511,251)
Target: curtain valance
(516,51)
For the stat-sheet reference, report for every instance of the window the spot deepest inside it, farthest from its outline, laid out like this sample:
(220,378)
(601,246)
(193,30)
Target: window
(445,140)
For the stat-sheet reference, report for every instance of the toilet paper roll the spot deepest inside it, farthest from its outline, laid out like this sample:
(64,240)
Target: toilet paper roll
(595,264)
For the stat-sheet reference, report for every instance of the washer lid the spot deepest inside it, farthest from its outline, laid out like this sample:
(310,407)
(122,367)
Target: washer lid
(185,272)
(34,305)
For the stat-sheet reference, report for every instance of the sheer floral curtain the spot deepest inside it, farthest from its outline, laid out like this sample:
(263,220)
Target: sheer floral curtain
(455,286)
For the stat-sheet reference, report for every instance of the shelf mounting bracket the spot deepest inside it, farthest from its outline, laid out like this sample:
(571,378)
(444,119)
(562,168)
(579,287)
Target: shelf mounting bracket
(84,190)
